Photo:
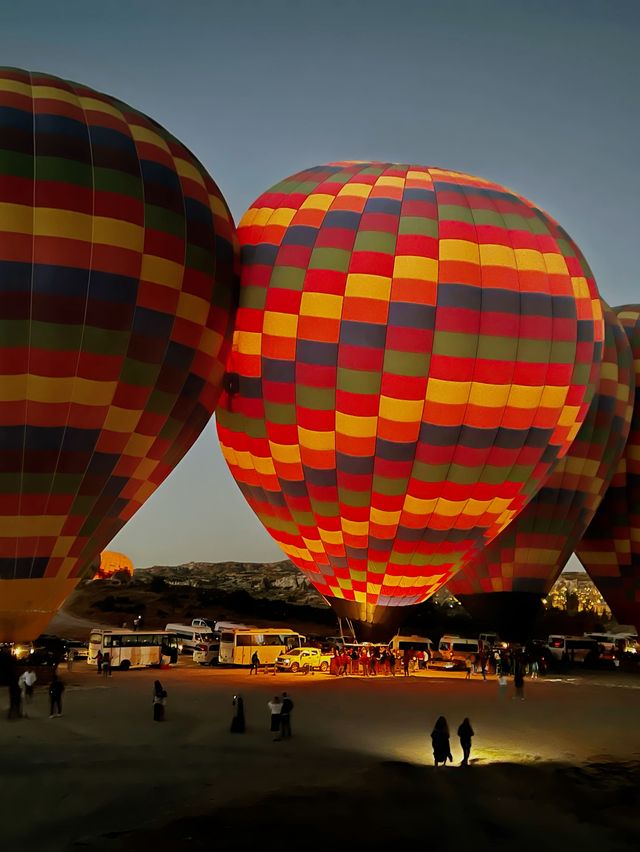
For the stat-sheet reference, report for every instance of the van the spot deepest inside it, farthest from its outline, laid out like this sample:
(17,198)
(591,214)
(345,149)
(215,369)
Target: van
(189,637)
(573,649)
(405,643)
(457,648)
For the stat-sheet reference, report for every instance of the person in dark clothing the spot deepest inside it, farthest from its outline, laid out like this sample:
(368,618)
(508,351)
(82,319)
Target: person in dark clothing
(56,688)
(106,664)
(440,742)
(285,717)
(99,661)
(518,680)
(255,663)
(15,699)
(159,701)
(237,722)
(465,733)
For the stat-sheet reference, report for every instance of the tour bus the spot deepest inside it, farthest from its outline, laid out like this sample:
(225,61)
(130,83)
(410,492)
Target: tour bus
(625,643)
(576,649)
(190,637)
(127,648)
(238,645)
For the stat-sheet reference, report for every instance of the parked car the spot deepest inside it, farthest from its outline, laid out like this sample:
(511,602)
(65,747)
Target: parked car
(301,659)
(207,653)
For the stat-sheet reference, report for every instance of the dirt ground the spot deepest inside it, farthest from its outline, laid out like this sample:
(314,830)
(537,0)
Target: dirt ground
(558,770)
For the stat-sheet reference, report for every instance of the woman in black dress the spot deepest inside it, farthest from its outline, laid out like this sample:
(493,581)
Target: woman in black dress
(237,722)
(440,742)
(159,701)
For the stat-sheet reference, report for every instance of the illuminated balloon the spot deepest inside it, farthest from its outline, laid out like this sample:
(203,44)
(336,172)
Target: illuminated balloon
(504,584)
(118,265)
(112,562)
(414,350)
(610,549)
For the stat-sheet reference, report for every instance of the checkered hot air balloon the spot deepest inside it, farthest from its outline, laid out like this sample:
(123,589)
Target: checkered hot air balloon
(414,351)
(610,549)
(118,269)
(503,585)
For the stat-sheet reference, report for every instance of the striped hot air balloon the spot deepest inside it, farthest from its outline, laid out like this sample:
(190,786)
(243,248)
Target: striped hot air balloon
(414,351)
(610,549)
(504,584)
(118,265)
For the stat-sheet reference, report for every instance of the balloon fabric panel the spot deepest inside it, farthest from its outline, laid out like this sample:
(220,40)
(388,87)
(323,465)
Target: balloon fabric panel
(118,265)
(610,549)
(531,552)
(414,350)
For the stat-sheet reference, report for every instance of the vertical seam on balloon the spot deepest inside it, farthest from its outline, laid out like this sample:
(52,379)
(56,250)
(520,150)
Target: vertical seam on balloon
(477,552)
(107,521)
(33,247)
(86,304)
(387,167)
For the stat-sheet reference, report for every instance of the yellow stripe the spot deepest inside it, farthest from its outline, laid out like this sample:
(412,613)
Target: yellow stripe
(94,105)
(316,440)
(249,342)
(530,260)
(279,325)
(379,516)
(360,190)
(454,393)
(286,453)
(192,308)
(121,419)
(52,93)
(282,216)
(366,286)
(330,536)
(497,255)
(187,170)
(489,396)
(401,410)
(419,268)
(143,134)
(317,201)
(159,270)
(31,526)
(555,263)
(355,427)
(459,250)
(323,305)
(418,506)
(16,218)
(138,446)
(354,527)
(55,390)
(15,86)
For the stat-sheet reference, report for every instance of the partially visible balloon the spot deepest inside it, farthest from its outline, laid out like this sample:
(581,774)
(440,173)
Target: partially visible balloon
(111,563)
(118,267)
(414,351)
(610,549)
(504,584)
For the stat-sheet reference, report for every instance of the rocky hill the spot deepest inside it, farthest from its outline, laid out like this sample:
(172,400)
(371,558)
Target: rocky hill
(276,581)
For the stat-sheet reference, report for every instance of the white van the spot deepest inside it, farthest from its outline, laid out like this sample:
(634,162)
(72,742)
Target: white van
(189,637)
(574,649)
(457,648)
(405,643)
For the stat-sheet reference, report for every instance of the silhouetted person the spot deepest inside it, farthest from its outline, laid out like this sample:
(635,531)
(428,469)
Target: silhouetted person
(15,699)
(56,688)
(518,680)
(406,660)
(275,707)
(465,733)
(106,664)
(237,722)
(99,659)
(440,742)
(255,663)
(159,701)
(285,717)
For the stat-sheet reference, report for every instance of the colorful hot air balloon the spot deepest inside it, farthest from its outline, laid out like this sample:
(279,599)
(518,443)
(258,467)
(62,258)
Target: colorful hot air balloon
(118,268)
(610,549)
(414,350)
(504,584)
(111,563)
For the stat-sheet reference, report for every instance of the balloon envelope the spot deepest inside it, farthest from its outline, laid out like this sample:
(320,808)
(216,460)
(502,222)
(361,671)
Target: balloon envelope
(610,549)
(118,259)
(504,584)
(414,350)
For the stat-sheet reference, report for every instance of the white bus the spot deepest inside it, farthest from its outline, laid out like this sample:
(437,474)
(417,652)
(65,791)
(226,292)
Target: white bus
(190,637)
(406,643)
(574,649)
(238,645)
(127,648)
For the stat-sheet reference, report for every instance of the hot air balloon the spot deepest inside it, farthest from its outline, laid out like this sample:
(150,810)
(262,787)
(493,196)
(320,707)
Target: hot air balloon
(503,586)
(610,548)
(414,351)
(118,275)
(112,563)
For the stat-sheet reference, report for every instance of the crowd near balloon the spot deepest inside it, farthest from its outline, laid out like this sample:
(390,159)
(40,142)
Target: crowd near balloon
(417,381)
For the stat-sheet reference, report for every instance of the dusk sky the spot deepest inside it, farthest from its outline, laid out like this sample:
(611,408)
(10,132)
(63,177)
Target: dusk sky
(543,97)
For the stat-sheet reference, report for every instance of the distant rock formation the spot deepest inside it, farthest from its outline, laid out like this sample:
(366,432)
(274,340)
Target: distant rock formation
(280,581)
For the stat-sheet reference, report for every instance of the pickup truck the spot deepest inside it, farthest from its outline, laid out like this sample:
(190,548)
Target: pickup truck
(303,659)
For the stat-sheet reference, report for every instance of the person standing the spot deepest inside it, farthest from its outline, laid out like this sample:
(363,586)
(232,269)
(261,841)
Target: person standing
(15,699)
(237,721)
(29,682)
(56,688)
(535,668)
(518,680)
(275,707)
(285,716)
(159,701)
(99,659)
(392,663)
(468,666)
(440,742)
(406,660)
(106,664)
(465,733)
(255,663)
(71,655)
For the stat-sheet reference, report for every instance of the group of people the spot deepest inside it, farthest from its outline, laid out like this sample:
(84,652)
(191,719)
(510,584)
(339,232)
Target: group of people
(372,661)
(280,710)
(103,663)
(440,741)
(21,694)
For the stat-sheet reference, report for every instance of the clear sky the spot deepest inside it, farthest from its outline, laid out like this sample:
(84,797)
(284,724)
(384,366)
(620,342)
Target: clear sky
(540,95)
